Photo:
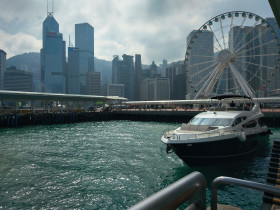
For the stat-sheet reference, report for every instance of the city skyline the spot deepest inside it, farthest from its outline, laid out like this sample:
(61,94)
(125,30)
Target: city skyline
(155,29)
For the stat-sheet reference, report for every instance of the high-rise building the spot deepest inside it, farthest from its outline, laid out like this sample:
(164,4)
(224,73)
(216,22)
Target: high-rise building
(115,67)
(238,37)
(257,56)
(18,80)
(155,89)
(176,75)
(179,90)
(163,67)
(105,68)
(123,73)
(73,73)
(52,57)
(129,63)
(93,83)
(115,90)
(138,77)
(153,70)
(171,74)
(2,67)
(273,73)
(203,48)
(84,40)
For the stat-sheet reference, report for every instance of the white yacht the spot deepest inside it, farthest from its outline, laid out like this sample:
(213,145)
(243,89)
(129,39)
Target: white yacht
(228,130)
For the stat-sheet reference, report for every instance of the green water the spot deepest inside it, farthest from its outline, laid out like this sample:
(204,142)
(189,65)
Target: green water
(106,165)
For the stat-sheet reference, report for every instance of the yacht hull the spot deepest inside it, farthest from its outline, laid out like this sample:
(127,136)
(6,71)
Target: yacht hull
(218,151)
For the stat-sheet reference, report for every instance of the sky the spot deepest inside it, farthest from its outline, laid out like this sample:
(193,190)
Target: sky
(156,29)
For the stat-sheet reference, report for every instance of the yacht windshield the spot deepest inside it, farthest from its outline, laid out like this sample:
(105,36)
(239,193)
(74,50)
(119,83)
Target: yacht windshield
(211,121)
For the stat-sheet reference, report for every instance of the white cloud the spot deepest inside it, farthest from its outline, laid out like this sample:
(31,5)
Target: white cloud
(18,43)
(156,29)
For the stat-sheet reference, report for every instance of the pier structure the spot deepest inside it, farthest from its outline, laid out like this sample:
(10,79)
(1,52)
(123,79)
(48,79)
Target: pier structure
(184,110)
(33,108)
(265,102)
(32,102)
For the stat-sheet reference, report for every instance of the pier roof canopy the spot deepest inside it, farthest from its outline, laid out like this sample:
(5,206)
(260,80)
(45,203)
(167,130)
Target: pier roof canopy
(18,95)
(201,101)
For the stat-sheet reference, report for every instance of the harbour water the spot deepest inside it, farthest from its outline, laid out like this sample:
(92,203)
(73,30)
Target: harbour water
(106,165)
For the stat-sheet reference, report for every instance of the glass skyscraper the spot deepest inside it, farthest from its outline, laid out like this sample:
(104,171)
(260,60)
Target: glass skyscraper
(123,73)
(138,77)
(52,57)
(84,40)
(2,67)
(73,74)
(204,48)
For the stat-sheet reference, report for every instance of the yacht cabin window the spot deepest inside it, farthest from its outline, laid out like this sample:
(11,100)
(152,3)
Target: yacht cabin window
(211,121)
(237,121)
(250,124)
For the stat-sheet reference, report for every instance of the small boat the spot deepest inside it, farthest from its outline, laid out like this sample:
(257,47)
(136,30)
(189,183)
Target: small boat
(227,131)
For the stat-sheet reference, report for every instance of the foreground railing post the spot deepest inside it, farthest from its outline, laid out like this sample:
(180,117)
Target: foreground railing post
(239,182)
(178,193)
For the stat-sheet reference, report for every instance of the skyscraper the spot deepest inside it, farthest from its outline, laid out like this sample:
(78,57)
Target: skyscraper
(84,40)
(73,73)
(155,89)
(2,67)
(257,56)
(177,79)
(163,68)
(238,39)
(204,48)
(273,73)
(93,83)
(18,80)
(138,77)
(52,57)
(115,90)
(123,73)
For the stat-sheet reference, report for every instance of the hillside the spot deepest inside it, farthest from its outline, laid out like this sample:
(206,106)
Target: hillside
(27,61)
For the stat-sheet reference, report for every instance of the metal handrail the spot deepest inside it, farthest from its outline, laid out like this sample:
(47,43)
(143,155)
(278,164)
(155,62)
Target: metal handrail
(178,193)
(243,183)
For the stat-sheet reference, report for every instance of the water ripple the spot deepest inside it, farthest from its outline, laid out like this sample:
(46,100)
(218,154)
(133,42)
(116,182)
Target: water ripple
(101,165)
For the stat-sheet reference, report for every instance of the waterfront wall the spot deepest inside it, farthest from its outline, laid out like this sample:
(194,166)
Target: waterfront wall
(157,116)
(17,120)
(271,118)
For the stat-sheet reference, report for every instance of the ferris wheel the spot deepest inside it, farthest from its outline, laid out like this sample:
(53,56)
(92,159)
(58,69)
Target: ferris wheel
(233,53)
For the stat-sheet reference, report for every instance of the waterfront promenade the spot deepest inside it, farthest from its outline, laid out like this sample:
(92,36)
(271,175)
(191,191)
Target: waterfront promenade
(14,119)
(31,108)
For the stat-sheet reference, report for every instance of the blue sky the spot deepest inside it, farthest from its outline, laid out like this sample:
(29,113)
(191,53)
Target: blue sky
(156,29)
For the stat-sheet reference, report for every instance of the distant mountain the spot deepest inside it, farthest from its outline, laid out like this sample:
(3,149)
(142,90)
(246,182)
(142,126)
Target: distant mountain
(31,62)
(105,68)
(27,61)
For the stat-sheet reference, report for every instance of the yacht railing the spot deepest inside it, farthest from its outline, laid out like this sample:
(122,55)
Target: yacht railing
(173,136)
(199,135)
(189,188)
